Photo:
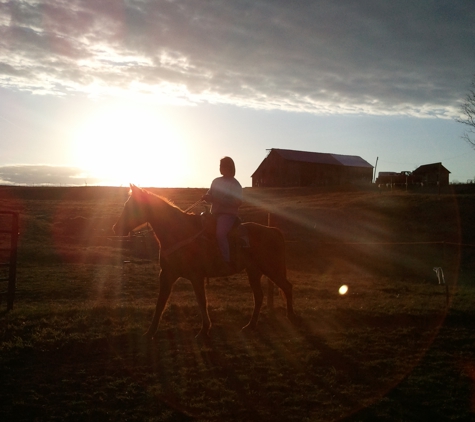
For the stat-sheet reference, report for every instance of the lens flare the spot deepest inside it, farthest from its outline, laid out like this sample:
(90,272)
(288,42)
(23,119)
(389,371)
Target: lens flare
(343,289)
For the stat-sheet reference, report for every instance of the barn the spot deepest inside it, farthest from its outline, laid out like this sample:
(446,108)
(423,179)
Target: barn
(428,174)
(285,167)
(432,174)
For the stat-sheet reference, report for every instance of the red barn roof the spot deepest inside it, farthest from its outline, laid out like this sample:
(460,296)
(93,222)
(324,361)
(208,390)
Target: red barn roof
(322,158)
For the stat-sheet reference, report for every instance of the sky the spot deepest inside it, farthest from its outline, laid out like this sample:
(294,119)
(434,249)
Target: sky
(155,92)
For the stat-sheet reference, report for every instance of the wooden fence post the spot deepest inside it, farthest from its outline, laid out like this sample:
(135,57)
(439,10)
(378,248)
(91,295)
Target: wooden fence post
(270,284)
(445,262)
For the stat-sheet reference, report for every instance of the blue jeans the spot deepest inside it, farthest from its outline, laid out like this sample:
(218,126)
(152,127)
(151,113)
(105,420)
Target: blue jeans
(224,223)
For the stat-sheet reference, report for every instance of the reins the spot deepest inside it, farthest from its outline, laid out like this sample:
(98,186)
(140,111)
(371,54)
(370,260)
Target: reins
(184,242)
(176,246)
(193,206)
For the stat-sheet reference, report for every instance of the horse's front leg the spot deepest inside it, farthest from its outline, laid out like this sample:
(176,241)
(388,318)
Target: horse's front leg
(198,284)
(166,283)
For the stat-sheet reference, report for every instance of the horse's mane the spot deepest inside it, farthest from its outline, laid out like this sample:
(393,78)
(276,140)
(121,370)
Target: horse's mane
(154,198)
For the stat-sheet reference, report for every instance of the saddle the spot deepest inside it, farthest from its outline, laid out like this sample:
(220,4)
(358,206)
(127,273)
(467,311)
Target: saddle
(237,237)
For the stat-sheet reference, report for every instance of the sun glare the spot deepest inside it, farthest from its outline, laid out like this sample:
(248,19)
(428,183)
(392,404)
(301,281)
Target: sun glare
(124,145)
(343,289)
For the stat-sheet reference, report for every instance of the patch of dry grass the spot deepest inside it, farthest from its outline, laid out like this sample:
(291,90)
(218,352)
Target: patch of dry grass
(388,349)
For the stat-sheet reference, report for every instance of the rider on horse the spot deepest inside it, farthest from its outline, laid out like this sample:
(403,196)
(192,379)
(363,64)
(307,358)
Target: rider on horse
(225,197)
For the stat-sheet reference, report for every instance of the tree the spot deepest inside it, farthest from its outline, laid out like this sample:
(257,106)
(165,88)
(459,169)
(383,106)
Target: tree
(468,111)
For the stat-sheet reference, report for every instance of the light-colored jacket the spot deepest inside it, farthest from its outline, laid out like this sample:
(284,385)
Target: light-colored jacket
(226,195)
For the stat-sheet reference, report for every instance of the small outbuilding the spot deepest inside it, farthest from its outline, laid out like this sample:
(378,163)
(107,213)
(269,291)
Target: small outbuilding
(432,174)
(285,167)
(393,178)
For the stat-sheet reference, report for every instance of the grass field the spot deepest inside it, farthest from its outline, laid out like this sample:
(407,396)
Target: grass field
(397,346)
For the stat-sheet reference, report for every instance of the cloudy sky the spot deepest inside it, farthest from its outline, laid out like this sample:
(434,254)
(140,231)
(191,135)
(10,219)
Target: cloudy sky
(156,92)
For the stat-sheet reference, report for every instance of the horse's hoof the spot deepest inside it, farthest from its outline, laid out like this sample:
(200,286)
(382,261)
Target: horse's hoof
(294,319)
(249,328)
(203,335)
(148,335)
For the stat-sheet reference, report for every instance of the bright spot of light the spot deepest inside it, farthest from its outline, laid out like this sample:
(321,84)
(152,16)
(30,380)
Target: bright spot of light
(124,144)
(343,289)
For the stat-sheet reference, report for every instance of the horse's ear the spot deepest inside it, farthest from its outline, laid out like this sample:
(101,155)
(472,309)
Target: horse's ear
(133,189)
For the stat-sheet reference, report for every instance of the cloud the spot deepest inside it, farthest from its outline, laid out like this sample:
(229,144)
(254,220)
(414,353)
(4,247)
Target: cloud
(318,56)
(44,175)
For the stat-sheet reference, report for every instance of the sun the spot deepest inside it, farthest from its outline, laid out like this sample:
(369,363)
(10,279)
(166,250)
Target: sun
(123,145)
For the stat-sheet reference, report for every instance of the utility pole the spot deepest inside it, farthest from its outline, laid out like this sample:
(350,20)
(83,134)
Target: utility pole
(376,165)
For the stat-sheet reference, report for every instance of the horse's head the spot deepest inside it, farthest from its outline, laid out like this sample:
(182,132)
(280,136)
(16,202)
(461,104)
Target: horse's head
(135,212)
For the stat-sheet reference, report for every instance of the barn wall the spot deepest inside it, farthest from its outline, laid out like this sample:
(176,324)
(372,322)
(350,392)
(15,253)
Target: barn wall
(431,178)
(358,175)
(271,172)
(320,174)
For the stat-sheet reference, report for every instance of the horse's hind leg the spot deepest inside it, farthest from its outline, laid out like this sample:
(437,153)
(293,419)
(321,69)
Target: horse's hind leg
(286,287)
(255,282)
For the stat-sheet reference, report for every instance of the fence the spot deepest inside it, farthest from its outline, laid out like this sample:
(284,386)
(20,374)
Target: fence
(11,252)
(443,261)
(143,245)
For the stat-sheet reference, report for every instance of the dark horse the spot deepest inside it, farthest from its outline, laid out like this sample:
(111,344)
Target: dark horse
(184,252)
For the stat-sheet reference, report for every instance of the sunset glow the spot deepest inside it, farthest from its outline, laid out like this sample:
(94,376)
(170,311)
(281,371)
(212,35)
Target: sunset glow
(120,92)
(125,144)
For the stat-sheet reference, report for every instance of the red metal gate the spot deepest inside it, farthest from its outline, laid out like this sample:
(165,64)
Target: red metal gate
(10,253)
